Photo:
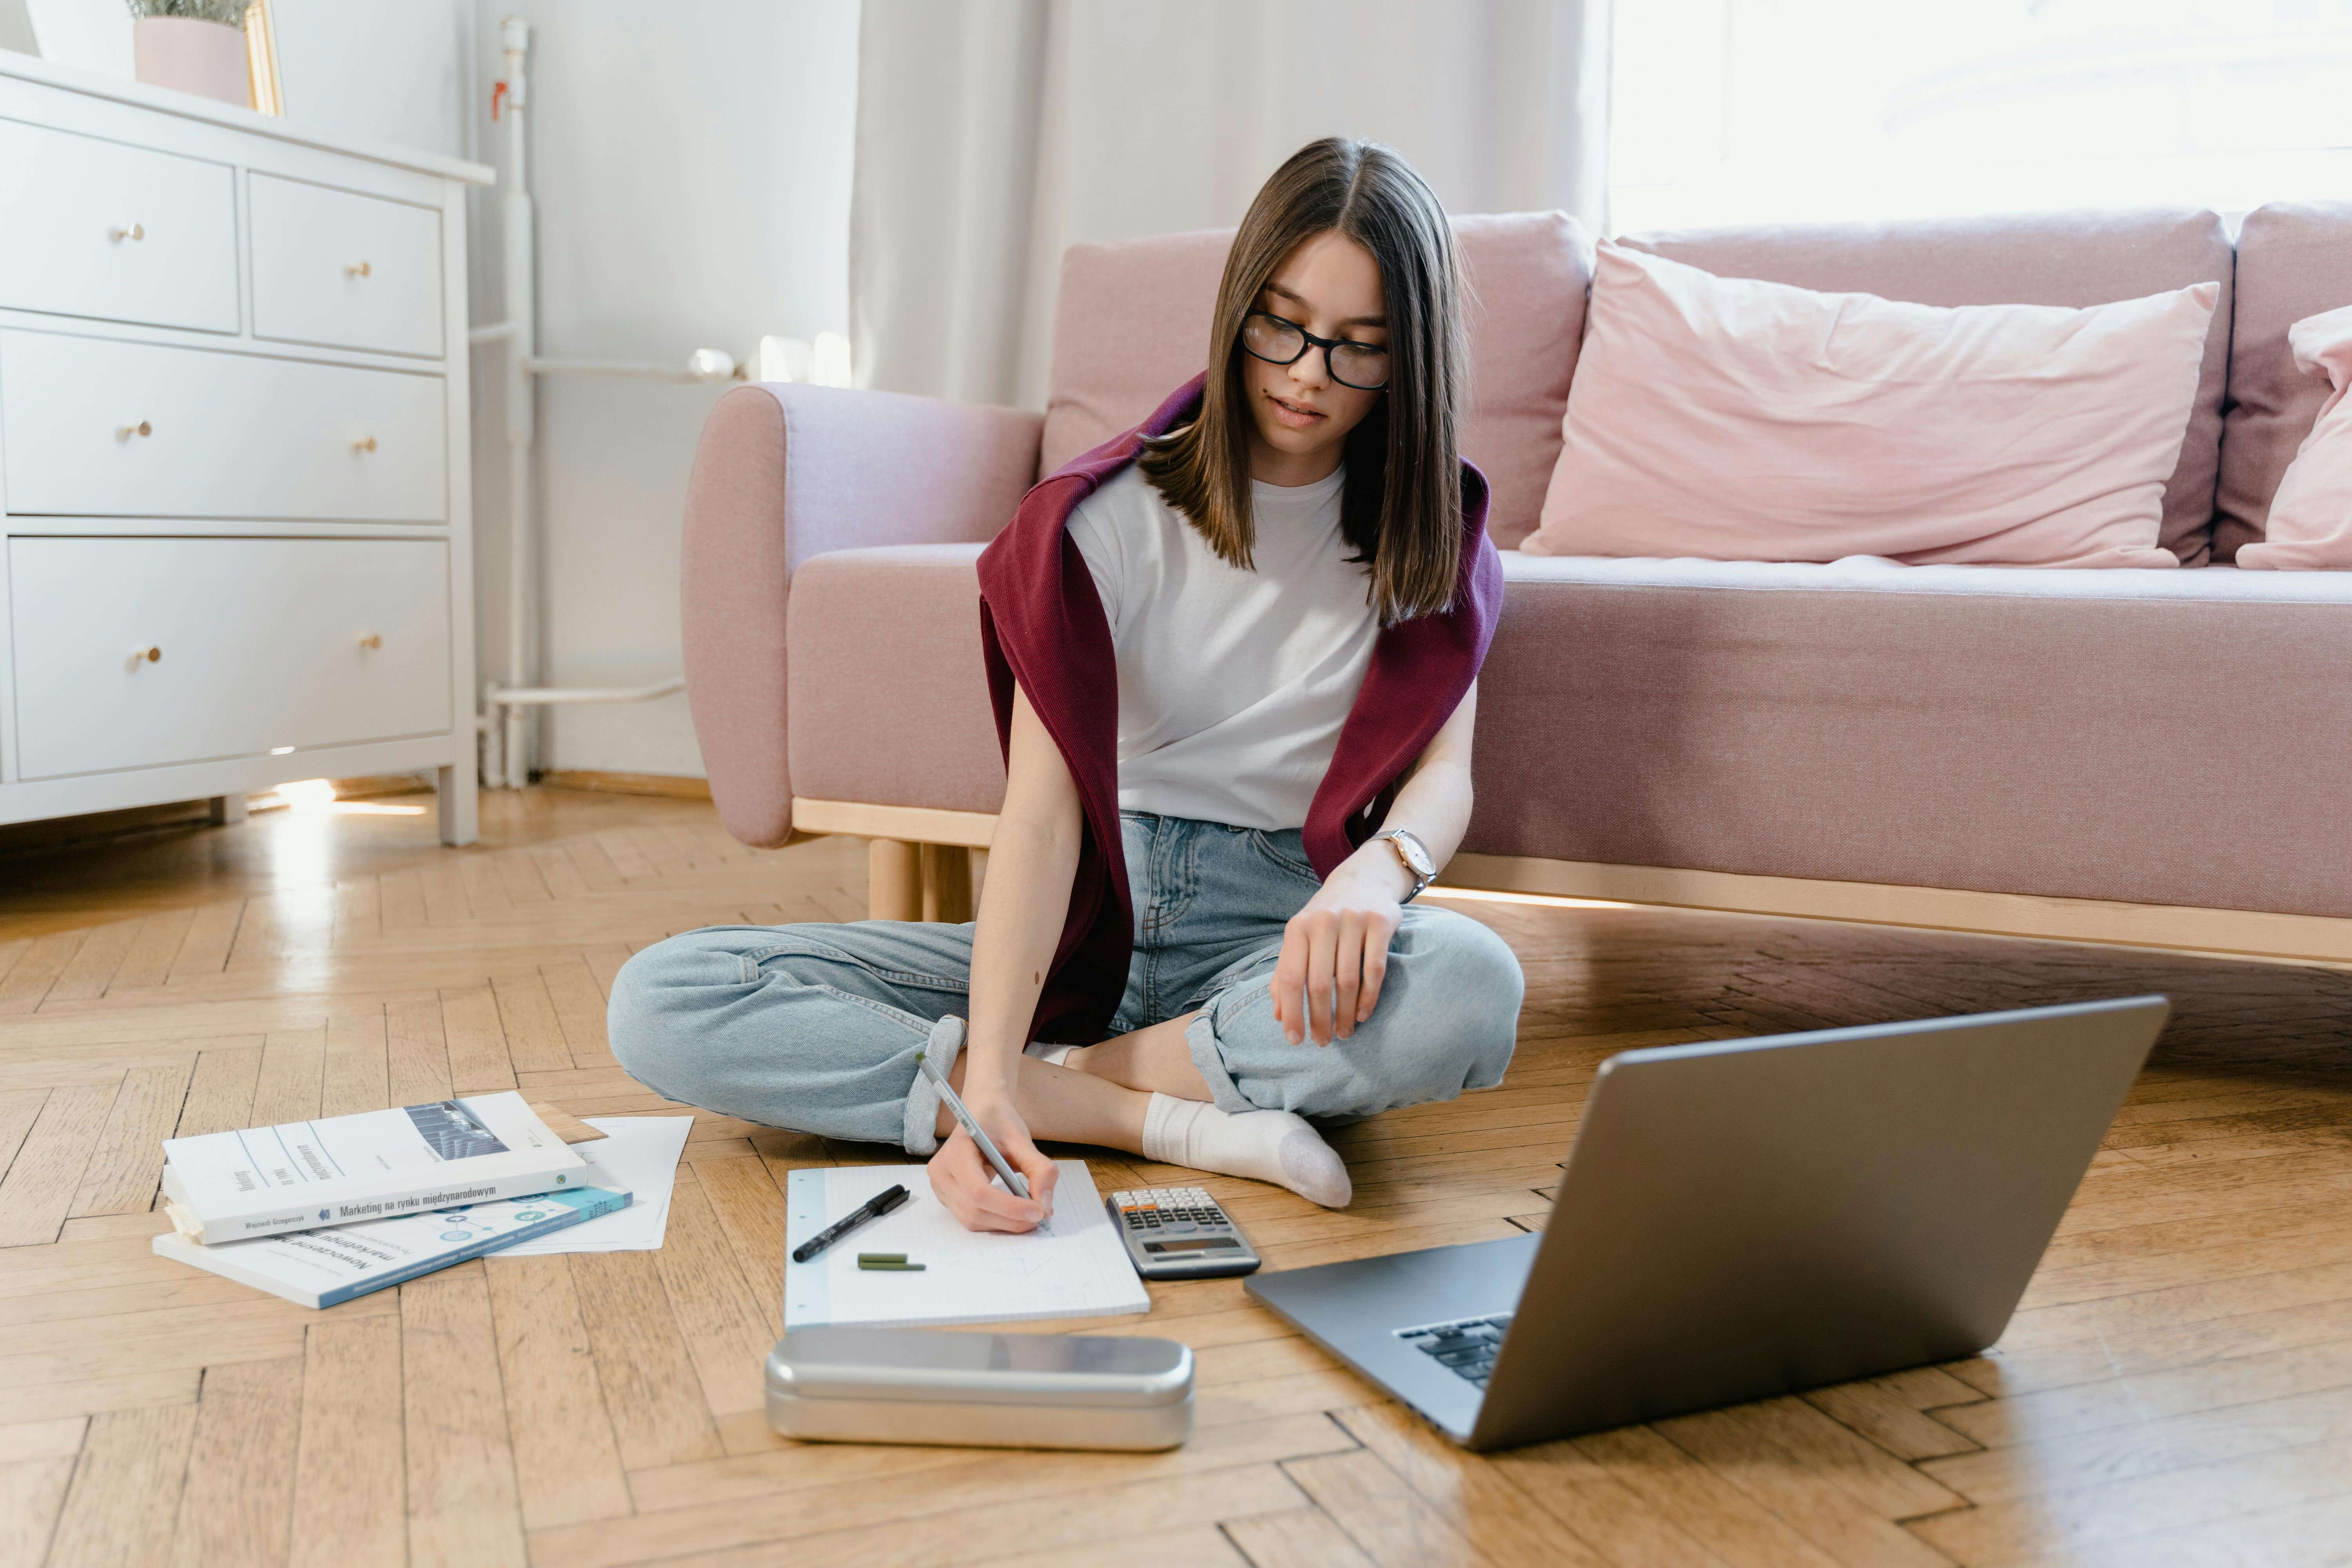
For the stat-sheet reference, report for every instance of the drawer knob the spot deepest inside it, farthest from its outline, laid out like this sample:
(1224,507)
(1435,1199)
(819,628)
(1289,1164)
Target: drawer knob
(140,655)
(374,640)
(124,432)
(364,444)
(358,269)
(136,231)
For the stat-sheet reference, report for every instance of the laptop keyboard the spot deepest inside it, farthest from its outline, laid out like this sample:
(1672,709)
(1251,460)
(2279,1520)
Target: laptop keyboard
(1469,1347)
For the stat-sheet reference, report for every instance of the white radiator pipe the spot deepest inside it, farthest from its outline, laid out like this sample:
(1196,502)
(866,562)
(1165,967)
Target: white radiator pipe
(536,696)
(706,364)
(522,315)
(505,723)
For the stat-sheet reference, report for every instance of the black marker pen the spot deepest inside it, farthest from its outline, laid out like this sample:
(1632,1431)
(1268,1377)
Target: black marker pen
(874,1208)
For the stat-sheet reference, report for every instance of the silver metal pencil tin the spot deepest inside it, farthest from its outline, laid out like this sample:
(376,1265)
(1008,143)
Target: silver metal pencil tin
(998,1391)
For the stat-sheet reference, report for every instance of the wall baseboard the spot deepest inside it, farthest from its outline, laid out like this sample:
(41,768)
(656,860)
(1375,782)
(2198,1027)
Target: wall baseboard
(2233,933)
(675,786)
(382,783)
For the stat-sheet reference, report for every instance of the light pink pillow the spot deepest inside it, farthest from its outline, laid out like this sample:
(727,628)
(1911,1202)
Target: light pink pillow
(2311,515)
(1739,420)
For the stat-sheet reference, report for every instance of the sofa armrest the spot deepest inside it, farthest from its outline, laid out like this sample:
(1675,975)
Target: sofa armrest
(787,471)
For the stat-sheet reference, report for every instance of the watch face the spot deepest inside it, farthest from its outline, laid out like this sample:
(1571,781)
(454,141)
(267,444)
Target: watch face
(1415,856)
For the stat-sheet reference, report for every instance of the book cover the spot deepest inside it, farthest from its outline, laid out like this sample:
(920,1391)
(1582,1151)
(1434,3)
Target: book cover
(325,1268)
(377,1164)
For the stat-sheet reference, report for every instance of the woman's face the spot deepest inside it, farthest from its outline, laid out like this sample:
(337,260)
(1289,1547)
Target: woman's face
(1299,415)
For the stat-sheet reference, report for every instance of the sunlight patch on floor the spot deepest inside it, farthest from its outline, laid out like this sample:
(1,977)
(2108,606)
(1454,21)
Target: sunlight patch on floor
(1549,900)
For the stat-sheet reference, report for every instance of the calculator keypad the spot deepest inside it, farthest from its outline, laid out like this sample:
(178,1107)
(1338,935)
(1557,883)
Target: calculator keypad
(1179,1233)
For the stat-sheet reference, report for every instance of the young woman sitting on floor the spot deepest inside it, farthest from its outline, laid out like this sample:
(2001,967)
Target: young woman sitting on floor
(1235,655)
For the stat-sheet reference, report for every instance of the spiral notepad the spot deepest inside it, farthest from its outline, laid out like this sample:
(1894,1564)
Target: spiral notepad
(1077,1269)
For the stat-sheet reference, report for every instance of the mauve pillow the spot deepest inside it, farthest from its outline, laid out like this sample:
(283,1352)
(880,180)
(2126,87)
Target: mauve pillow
(2311,514)
(1739,420)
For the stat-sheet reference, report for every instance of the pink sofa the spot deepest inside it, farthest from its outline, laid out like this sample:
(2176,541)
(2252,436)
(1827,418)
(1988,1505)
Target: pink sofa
(2161,756)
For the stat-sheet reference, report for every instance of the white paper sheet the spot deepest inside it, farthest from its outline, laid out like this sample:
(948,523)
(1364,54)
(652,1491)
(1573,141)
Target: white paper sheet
(639,1153)
(1077,1269)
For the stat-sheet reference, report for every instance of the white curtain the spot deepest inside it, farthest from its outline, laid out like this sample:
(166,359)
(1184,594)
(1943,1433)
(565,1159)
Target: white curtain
(993,133)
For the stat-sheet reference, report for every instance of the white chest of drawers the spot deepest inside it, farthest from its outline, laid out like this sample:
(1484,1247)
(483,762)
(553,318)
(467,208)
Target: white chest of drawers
(234,477)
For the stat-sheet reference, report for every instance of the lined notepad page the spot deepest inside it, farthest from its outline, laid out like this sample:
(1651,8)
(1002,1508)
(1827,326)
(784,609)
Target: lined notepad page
(1076,1269)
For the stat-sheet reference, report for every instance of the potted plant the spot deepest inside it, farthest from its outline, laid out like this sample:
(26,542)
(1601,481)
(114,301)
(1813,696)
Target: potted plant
(196,45)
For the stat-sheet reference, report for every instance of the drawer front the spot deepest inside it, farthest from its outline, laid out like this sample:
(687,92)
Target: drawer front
(261,643)
(345,270)
(89,228)
(97,428)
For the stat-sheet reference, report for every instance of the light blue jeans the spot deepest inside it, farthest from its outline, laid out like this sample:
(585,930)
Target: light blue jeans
(817,1027)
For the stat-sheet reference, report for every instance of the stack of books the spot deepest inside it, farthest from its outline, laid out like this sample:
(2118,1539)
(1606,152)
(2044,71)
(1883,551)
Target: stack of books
(319,1211)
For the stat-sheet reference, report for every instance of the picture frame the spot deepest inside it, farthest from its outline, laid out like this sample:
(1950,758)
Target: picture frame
(261,59)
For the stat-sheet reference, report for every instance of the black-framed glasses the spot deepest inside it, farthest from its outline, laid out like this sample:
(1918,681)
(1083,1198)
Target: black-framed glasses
(1364,367)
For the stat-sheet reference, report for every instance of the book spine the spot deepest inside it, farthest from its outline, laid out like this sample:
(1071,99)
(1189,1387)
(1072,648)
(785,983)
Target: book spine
(278,1219)
(610,1202)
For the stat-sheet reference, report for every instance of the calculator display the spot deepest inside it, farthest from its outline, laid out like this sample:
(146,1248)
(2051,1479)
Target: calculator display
(1189,1245)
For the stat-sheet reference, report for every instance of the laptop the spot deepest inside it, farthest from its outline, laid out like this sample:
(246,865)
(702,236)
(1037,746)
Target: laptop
(1750,1217)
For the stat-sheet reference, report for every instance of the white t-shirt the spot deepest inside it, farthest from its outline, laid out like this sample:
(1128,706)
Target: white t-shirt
(1232,684)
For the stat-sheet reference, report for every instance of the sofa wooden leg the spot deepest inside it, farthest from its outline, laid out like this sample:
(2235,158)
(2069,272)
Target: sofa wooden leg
(894,872)
(947,882)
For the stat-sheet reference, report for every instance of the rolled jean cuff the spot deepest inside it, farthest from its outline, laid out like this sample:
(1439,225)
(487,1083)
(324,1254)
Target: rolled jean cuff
(1201,1038)
(920,1132)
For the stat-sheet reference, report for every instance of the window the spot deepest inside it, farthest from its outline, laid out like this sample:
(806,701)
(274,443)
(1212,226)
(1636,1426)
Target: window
(1772,111)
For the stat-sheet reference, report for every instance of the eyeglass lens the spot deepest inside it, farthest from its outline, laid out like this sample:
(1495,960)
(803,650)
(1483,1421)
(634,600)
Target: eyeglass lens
(1277,342)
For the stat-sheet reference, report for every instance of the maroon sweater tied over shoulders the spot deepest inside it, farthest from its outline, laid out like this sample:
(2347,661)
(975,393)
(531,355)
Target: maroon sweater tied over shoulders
(1041,625)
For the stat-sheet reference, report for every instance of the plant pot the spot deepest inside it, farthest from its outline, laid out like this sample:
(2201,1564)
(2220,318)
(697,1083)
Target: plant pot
(204,57)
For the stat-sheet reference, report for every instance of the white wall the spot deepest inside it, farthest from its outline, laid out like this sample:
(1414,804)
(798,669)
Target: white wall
(690,166)
(394,70)
(691,163)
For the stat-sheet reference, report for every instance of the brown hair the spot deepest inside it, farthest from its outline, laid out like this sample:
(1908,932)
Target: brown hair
(1402,510)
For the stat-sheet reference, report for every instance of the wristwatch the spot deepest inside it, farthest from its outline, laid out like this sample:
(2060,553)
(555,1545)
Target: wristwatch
(1415,855)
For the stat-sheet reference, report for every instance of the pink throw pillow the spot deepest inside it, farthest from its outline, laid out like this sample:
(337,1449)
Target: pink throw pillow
(1739,420)
(2311,516)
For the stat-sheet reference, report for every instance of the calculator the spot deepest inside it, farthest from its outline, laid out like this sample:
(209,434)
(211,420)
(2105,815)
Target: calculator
(1179,1233)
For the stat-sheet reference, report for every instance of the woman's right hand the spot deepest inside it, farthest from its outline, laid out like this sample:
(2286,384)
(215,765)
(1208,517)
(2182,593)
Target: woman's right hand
(962,1179)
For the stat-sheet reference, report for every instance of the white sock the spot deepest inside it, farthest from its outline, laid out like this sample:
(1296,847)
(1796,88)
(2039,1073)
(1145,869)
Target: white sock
(1264,1146)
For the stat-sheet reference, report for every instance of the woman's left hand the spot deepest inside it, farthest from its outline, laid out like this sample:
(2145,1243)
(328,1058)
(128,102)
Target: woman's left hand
(1335,951)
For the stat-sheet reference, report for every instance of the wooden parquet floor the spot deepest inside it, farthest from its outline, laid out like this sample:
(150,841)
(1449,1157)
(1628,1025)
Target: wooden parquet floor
(2175,1390)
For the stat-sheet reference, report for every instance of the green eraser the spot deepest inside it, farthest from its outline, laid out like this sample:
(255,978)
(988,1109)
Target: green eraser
(881,1257)
(890,1267)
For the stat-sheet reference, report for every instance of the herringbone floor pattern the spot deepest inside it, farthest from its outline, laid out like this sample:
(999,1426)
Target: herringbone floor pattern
(2178,1388)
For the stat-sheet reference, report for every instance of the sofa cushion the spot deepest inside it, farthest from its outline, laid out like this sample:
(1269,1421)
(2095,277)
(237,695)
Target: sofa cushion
(1132,323)
(1971,727)
(1963,727)
(2310,522)
(2294,259)
(1742,420)
(887,702)
(2045,259)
